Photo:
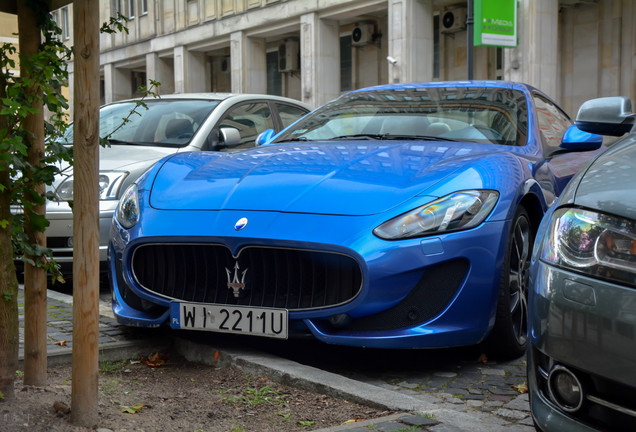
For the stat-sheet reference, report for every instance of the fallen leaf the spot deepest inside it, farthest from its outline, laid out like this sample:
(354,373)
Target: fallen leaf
(521,388)
(353,420)
(482,359)
(216,356)
(60,343)
(155,360)
(133,409)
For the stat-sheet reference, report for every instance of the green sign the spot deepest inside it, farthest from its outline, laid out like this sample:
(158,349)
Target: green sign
(495,23)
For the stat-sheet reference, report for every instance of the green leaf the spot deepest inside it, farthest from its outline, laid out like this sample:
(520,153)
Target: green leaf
(132,409)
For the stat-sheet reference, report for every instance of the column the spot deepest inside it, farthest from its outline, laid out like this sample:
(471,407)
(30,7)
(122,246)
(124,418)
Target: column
(190,71)
(160,70)
(534,61)
(237,62)
(410,40)
(249,63)
(117,83)
(319,59)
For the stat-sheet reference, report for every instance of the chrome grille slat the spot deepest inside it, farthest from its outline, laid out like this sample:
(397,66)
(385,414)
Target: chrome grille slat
(295,279)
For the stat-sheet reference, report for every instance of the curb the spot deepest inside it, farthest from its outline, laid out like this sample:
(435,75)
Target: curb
(302,376)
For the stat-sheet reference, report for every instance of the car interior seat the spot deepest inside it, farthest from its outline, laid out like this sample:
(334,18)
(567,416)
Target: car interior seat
(437,129)
(179,128)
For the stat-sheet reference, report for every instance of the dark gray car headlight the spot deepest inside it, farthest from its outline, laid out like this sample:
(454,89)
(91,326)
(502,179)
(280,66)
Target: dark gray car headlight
(127,212)
(593,243)
(457,211)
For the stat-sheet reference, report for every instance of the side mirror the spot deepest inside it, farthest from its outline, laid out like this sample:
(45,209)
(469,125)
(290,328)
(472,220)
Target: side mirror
(574,139)
(265,137)
(606,116)
(229,137)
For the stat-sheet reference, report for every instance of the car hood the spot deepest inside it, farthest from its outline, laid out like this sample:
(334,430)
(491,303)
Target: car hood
(608,184)
(119,157)
(351,178)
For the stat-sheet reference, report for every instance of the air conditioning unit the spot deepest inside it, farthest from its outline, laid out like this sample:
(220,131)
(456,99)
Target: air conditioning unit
(454,20)
(362,34)
(288,55)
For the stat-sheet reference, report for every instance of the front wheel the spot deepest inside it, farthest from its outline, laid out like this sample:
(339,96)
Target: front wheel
(508,338)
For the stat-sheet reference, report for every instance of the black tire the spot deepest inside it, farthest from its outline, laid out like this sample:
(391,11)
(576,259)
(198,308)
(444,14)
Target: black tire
(508,338)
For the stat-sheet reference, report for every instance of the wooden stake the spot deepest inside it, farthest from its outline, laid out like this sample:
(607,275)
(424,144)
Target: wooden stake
(34,277)
(84,388)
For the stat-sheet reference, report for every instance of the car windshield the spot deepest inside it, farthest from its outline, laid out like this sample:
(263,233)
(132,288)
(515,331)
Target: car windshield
(166,122)
(484,114)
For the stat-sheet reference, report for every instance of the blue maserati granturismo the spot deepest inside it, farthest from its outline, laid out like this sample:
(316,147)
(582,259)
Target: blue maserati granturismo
(396,216)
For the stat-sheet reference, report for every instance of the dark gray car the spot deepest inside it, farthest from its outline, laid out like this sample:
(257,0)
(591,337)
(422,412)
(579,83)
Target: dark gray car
(582,297)
(170,124)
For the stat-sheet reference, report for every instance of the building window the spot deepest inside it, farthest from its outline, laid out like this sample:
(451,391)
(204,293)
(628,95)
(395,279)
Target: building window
(131,9)
(66,32)
(346,69)
(274,77)
(144,7)
(436,46)
(56,18)
(499,73)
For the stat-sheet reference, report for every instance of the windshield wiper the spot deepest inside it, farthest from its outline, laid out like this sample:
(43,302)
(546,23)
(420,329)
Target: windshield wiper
(116,141)
(417,137)
(358,136)
(300,138)
(390,137)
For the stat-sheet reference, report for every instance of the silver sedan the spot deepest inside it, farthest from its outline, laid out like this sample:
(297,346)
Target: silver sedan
(160,127)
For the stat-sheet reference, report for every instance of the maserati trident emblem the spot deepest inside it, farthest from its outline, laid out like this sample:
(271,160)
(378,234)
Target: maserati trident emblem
(233,281)
(240,224)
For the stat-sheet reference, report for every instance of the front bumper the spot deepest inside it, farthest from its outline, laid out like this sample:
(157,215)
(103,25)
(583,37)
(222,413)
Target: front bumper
(59,234)
(588,326)
(391,271)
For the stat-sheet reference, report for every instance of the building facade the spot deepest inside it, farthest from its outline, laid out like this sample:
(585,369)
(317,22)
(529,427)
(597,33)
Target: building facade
(9,35)
(313,50)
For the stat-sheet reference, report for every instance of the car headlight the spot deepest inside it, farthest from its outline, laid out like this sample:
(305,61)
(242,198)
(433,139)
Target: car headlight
(109,184)
(127,212)
(457,211)
(593,243)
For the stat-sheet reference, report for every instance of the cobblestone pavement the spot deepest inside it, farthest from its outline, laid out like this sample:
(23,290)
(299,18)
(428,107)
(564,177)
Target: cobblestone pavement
(60,329)
(492,394)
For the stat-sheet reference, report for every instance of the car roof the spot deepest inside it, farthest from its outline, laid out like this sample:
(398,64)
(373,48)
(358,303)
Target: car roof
(440,84)
(217,97)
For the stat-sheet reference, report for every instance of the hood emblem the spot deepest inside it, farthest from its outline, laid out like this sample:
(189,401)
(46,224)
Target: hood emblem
(233,281)
(240,224)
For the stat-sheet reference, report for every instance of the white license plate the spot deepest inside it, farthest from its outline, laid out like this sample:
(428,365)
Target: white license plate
(229,319)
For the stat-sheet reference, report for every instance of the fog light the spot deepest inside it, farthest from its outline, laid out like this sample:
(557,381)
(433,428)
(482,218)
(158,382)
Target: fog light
(340,320)
(565,389)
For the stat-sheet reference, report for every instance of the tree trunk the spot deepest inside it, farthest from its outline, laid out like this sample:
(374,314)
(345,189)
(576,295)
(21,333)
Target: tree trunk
(34,277)
(84,390)
(8,282)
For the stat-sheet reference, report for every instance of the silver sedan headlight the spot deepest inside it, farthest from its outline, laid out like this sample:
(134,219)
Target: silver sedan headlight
(457,211)
(109,184)
(593,243)
(127,212)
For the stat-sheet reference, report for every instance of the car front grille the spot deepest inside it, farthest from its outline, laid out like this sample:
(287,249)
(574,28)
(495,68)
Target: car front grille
(260,276)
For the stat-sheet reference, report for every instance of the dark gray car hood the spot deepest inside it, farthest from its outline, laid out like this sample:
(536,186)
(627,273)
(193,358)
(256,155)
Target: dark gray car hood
(610,182)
